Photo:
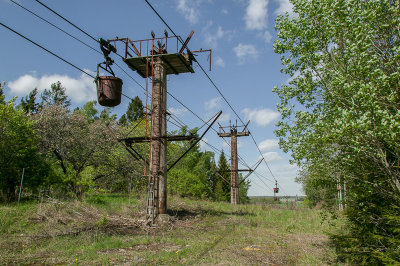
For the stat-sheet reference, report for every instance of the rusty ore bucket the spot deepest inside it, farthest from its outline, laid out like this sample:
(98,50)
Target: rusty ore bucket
(109,90)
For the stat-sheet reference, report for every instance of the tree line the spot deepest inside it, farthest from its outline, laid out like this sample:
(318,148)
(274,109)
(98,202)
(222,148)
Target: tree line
(67,153)
(341,119)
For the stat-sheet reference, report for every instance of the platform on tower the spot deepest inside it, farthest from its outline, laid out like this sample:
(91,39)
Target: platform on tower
(174,63)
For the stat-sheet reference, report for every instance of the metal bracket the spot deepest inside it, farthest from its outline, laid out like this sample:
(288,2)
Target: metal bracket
(197,141)
(106,48)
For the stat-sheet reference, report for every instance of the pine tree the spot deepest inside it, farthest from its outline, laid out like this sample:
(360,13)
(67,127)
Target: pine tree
(29,104)
(135,110)
(123,121)
(55,96)
(222,188)
(1,94)
(107,116)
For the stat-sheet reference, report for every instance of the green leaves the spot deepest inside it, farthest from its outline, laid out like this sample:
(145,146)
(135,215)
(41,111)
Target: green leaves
(18,145)
(340,108)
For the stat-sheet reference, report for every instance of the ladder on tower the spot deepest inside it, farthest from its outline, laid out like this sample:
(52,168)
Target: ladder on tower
(152,199)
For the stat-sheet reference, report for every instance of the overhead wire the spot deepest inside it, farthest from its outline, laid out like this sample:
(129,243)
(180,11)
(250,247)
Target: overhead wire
(93,38)
(72,36)
(83,71)
(78,68)
(55,26)
(45,49)
(84,32)
(50,52)
(81,30)
(212,82)
(89,35)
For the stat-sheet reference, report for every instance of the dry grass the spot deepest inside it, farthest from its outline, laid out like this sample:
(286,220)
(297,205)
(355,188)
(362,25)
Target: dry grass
(111,231)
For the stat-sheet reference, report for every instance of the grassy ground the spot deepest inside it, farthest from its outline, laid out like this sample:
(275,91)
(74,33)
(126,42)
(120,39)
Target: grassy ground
(107,229)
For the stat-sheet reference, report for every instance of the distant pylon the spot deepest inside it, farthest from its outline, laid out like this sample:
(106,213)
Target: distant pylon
(234,134)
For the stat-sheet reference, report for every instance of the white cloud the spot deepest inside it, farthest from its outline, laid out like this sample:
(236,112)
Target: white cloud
(213,104)
(224,117)
(261,117)
(212,39)
(224,11)
(190,10)
(256,15)
(79,90)
(177,111)
(284,6)
(211,108)
(219,62)
(288,169)
(267,37)
(272,157)
(243,51)
(269,144)
(203,145)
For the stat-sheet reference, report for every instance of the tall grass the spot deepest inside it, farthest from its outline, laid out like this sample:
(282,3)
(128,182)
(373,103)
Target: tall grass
(105,229)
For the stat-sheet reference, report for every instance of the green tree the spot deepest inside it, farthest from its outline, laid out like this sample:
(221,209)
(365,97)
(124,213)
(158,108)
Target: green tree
(340,115)
(18,145)
(222,188)
(89,111)
(2,94)
(135,110)
(193,175)
(243,189)
(75,143)
(107,116)
(55,95)
(122,120)
(28,104)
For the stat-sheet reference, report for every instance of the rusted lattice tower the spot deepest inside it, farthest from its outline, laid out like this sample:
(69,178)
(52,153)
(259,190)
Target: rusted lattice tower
(234,134)
(151,59)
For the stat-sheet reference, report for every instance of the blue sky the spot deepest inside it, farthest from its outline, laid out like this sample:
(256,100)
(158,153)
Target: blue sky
(244,66)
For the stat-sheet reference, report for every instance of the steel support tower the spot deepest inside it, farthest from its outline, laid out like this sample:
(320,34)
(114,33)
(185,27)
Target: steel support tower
(234,134)
(154,62)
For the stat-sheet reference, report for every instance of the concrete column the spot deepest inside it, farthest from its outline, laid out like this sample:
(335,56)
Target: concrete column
(159,132)
(234,168)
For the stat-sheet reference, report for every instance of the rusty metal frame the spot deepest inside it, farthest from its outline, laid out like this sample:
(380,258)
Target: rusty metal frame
(132,45)
(202,51)
(197,141)
(251,171)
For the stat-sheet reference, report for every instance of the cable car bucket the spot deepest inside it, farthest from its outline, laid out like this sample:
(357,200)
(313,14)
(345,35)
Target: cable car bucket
(109,88)
(276,190)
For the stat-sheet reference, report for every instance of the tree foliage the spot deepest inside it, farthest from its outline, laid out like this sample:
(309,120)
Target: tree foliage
(135,110)
(18,145)
(1,94)
(29,104)
(55,96)
(222,187)
(340,115)
(74,142)
(69,152)
(193,175)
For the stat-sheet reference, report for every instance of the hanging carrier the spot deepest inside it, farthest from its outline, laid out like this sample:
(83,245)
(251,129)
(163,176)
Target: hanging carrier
(109,88)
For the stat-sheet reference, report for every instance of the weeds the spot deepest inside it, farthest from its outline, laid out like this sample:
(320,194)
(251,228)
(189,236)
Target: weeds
(107,229)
